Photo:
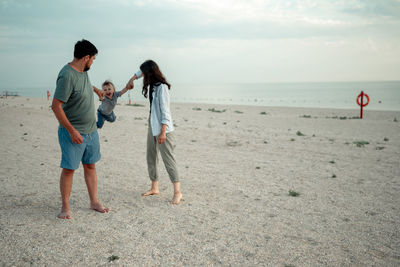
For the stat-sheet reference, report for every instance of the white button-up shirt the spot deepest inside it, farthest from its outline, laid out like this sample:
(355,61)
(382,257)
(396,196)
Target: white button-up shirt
(160,111)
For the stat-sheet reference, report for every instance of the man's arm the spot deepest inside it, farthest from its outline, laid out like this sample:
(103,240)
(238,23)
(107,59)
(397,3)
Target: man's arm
(62,118)
(99,92)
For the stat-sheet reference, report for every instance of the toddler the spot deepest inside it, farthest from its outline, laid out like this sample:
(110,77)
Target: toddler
(105,112)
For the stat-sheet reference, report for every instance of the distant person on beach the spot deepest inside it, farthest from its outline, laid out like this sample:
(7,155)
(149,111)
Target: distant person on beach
(105,112)
(73,106)
(160,137)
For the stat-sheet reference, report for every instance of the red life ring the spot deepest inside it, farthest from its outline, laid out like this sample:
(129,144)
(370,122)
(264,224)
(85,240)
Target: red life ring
(359,102)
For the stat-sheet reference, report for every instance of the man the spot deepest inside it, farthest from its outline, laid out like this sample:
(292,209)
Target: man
(73,106)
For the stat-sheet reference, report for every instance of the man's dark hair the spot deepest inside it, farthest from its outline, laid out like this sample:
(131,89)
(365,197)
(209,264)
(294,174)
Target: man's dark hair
(84,48)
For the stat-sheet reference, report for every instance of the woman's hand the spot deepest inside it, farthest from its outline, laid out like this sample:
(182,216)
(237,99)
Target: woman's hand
(162,137)
(129,85)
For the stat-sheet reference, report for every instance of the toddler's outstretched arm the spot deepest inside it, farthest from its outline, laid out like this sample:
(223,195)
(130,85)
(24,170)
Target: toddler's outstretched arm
(123,91)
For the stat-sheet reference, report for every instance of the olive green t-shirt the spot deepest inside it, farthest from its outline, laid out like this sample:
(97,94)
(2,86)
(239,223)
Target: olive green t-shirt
(76,92)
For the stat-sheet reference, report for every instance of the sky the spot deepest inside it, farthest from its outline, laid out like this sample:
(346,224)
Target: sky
(203,41)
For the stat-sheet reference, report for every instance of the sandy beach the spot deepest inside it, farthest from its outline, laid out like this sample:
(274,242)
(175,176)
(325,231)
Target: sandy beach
(237,165)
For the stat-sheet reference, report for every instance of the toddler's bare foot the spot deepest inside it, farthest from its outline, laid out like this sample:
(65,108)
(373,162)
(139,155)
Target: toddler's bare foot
(100,208)
(150,193)
(65,215)
(177,198)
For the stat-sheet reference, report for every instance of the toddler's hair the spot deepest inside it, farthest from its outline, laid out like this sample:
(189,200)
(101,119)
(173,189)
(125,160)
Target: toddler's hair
(108,82)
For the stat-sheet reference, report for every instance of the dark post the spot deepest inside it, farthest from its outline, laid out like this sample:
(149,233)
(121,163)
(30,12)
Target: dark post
(362,104)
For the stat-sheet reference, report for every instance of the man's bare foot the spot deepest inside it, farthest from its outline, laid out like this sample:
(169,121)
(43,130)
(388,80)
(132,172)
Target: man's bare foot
(64,215)
(100,208)
(150,193)
(177,198)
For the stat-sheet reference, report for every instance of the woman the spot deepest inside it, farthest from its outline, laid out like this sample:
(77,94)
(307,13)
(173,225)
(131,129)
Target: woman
(160,135)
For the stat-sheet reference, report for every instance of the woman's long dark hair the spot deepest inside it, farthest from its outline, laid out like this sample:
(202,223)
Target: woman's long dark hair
(151,76)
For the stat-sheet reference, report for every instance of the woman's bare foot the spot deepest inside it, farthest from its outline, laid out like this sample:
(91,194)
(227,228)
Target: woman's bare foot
(150,193)
(64,215)
(177,198)
(100,208)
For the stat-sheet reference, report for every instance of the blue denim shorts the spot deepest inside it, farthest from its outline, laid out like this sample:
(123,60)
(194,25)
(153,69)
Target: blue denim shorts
(72,154)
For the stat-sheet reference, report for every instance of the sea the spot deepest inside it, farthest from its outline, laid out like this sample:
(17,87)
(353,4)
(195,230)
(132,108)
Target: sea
(384,95)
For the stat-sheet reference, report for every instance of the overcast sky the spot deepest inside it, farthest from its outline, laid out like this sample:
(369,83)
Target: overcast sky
(203,41)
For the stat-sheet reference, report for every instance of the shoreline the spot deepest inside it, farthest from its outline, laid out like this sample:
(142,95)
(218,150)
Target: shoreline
(145,101)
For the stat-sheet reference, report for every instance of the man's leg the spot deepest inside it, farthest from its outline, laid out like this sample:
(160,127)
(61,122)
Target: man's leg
(91,183)
(65,189)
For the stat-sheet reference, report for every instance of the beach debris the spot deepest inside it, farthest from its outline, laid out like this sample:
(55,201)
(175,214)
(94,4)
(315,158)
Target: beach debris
(263,113)
(385,139)
(216,110)
(306,116)
(333,175)
(224,123)
(113,258)
(233,143)
(293,193)
(135,105)
(238,112)
(257,168)
(265,142)
(360,143)
(395,119)
(332,162)
(344,118)
(197,109)
(380,148)
(292,139)
(25,133)
(300,133)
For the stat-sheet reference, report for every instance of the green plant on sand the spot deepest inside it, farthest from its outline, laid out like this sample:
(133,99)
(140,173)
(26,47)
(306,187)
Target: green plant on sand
(293,193)
(360,143)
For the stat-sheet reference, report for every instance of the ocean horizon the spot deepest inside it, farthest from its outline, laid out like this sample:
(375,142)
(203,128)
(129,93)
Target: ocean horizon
(384,95)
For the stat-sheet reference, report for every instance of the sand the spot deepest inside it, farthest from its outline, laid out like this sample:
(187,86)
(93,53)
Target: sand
(237,168)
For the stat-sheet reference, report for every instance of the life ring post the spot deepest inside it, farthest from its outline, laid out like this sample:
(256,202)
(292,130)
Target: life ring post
(360,102)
